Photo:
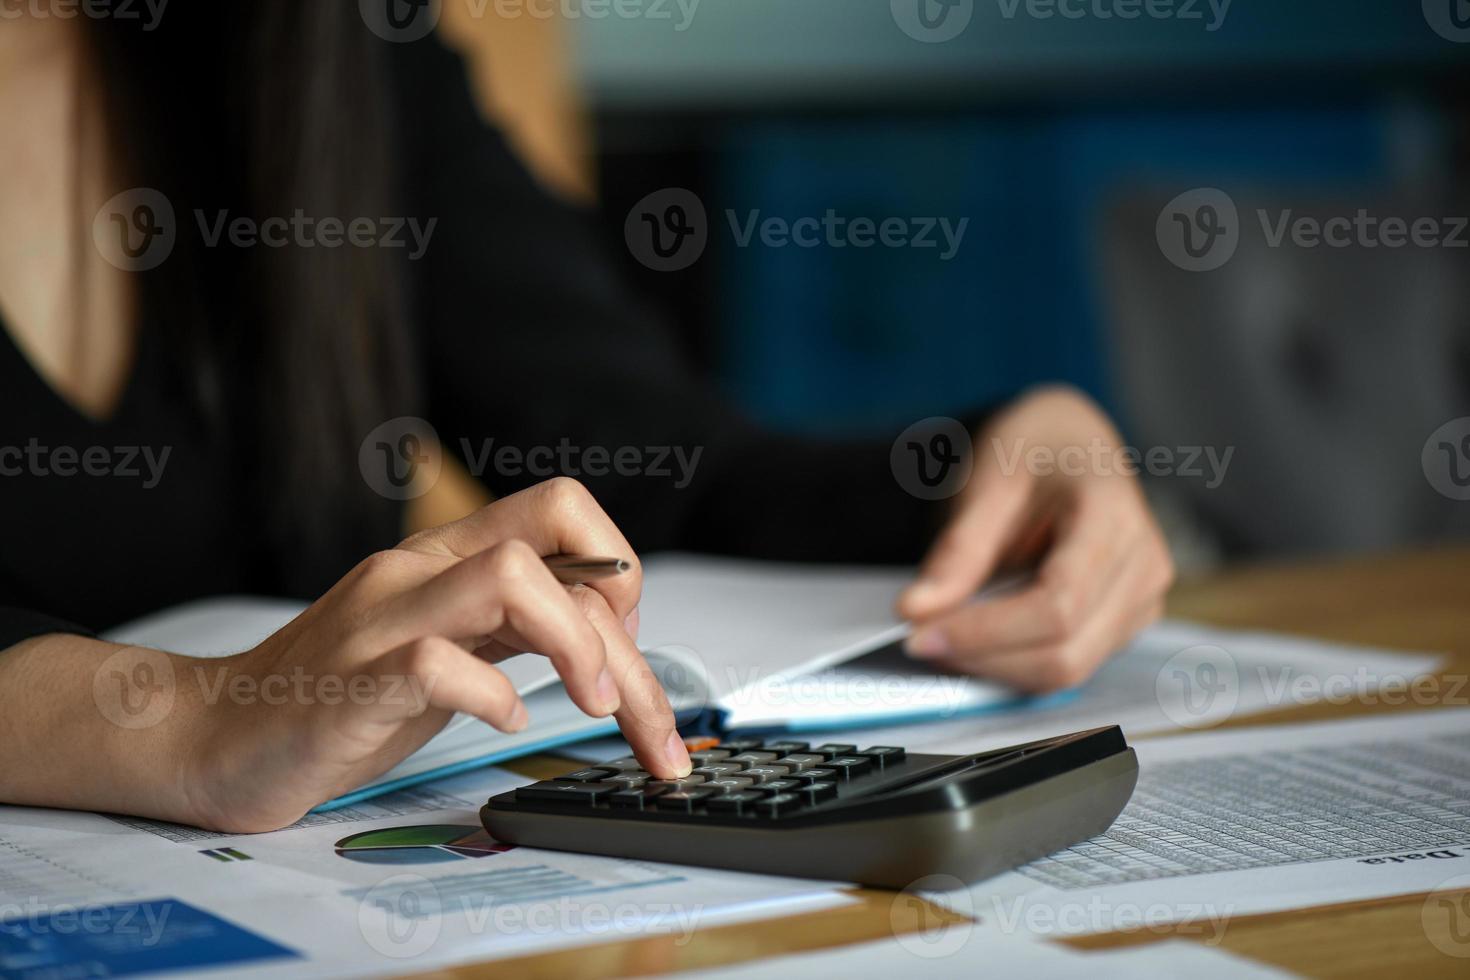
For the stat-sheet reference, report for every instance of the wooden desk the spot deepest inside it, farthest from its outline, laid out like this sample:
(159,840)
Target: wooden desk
(1415,601)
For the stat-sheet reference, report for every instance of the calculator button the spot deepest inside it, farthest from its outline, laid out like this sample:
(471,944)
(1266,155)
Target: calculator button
(635,799)
(816,792)
(776,786)
(764,774)
(629,780)
(755,758)
(705,757)
(730,784)
(815,775)
(718,769)
(684,800)
(778,805)
(699,743)
(585,776)
(833,749)
(736,803)
(850,767)
(688,782)
(566,792)
(883,755)
(740,744)
(625,763)
(787,747)
(800,761)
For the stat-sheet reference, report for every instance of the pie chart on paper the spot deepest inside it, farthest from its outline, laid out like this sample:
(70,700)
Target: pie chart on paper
(423,844)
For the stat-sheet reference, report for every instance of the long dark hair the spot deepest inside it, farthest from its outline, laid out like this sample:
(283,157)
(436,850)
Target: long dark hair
(263,108)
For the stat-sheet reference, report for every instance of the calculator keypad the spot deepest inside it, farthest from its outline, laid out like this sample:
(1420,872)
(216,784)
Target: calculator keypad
(742,777)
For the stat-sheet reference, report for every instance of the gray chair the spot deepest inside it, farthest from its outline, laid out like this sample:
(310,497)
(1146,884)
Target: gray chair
(1326,369)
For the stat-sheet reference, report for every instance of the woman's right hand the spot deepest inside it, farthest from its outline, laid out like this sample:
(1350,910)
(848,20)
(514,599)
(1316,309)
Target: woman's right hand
(411,636)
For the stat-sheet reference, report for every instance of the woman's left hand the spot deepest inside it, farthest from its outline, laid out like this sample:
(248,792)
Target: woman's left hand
(1049,487)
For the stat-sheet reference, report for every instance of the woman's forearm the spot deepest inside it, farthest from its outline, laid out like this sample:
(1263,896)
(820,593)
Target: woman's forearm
(86,724)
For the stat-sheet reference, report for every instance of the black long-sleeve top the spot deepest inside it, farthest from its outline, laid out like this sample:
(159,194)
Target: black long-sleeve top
(524,336)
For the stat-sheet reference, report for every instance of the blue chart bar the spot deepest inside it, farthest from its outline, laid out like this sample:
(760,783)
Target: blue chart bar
(124,940)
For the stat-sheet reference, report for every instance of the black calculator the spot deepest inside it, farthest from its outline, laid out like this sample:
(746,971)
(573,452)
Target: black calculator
(877,816)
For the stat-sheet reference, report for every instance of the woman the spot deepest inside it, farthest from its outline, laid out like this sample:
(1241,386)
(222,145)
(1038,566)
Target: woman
(250,370)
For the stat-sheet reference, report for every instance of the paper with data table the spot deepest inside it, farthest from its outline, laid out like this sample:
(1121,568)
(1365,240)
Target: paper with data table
(397,885)
(1254,820)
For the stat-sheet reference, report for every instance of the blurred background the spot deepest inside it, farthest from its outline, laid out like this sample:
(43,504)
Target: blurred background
(1075,137)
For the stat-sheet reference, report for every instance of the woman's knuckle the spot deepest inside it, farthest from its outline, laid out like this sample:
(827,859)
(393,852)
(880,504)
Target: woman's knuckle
(423,657)
(1060,609)
(379,564)
(511,561)
(565,493)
